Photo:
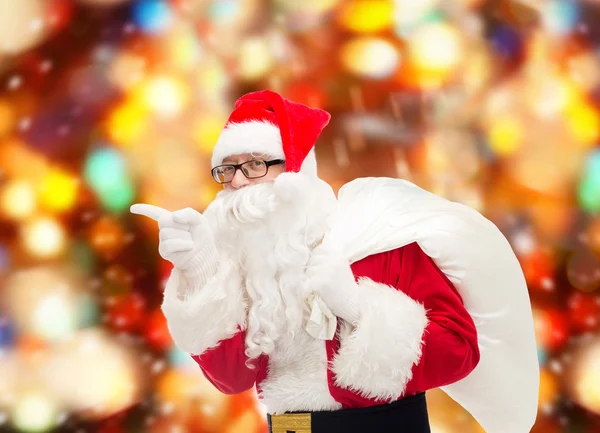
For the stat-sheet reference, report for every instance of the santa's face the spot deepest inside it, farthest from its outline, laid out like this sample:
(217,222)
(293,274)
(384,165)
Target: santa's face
(271,229)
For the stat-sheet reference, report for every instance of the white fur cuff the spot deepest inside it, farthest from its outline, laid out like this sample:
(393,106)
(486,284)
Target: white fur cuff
(207,314)
(377,356)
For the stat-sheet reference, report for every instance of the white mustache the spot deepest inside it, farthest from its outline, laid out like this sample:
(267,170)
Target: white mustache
(249,204)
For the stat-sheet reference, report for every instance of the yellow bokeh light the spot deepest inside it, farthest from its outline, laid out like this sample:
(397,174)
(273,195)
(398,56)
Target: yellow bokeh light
(307,6)
(18,199)
(206,132)
(426,79)
(43,237)
(166,96)
(58,190)
(367,16)
(505,135)
(183,49)
(476,71)
(549,388)
(255,58)
(583,121)
(588,386)
(435,46)
(22,26)
(119,390)
(127,123)
(548,95)
(370,57)
(44,300)
(212,78)
(94,374)
(584,383)
(34,412)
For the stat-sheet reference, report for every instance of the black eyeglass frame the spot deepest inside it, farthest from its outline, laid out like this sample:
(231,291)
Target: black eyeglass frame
(237,167)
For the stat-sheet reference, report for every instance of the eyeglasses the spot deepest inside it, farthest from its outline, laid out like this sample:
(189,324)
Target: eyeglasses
(251,169)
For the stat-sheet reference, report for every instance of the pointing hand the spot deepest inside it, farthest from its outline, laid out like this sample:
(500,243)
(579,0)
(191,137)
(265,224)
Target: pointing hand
(185,237)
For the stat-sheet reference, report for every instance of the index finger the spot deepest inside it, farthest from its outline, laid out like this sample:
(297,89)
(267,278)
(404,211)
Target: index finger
(149,210)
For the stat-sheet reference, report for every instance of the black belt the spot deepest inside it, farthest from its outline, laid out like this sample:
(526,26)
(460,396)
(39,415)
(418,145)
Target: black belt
(408,415)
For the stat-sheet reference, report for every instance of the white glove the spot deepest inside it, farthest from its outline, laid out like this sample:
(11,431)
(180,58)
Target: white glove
(185,240)
(331,277)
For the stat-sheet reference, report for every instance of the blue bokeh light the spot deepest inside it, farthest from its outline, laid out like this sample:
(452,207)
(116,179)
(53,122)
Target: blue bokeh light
(152,16)
(560,16)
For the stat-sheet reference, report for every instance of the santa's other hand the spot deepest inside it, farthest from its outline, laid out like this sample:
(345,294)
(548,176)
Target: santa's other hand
(330,276)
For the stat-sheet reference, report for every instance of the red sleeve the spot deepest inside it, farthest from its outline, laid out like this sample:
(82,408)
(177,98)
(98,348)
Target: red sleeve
(450,350)
(225,366)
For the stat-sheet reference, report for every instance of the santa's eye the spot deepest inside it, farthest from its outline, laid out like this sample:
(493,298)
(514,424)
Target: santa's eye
(255,167)
(226,170)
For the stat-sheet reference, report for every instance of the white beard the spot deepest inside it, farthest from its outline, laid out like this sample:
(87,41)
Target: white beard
(270,229)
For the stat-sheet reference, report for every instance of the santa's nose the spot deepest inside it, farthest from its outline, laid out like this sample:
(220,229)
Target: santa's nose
(239,180)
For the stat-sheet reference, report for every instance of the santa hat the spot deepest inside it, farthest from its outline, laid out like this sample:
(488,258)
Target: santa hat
(264,122)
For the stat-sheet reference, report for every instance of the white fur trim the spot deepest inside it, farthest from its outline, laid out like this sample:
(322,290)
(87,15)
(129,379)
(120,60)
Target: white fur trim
(248,137)
(256,137)
(297,378)
(206,315)
(377,356)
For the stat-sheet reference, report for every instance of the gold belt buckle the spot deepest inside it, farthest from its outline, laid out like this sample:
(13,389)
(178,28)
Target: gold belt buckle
(291,422)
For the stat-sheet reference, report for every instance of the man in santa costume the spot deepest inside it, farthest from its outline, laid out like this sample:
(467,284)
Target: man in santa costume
(343,312)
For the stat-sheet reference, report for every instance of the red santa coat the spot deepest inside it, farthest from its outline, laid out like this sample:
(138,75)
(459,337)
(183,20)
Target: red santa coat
(444,351)
(411,339)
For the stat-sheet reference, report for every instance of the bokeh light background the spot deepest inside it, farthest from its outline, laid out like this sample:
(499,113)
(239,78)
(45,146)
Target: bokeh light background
(495,104)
